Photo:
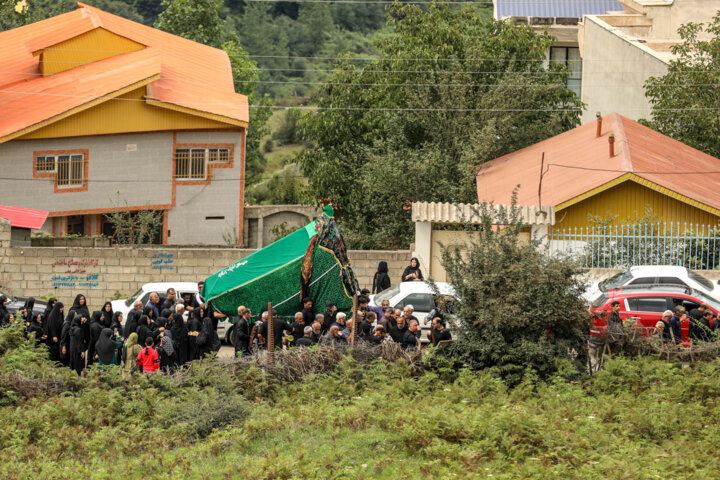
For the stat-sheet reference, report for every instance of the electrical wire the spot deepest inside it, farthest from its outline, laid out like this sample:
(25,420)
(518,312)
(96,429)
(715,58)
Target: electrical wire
(377,109)
(350,58)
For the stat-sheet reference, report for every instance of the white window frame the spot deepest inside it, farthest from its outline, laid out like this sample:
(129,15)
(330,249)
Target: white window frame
(75,163)
(45,157)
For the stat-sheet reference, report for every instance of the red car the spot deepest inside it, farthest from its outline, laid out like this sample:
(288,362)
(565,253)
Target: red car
(645,305)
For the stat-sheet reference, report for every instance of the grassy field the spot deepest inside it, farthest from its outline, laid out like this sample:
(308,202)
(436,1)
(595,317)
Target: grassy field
(640,418)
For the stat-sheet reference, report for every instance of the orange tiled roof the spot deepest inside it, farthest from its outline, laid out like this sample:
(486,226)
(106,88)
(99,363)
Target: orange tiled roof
(639,151)
(191,75)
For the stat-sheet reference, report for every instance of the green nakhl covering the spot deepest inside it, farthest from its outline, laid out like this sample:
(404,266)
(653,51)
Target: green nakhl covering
(275,273)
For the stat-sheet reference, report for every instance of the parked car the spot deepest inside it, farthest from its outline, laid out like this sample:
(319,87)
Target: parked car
(418,294)
(16,303)
(650,275)
(224,329)
(645,305)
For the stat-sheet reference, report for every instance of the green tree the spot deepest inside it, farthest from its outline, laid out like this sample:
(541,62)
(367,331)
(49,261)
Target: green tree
(451,90)
(149,9)
(13,13)
(686,100)
(198,20)
(519,309)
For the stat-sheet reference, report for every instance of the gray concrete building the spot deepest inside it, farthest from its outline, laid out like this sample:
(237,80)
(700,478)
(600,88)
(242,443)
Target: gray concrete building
(103,115)
(621,50)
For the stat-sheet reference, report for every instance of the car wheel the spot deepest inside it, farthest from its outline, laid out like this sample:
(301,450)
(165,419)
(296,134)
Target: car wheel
(230,337)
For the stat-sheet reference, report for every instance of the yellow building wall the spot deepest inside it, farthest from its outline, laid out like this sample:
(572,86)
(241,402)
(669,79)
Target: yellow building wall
(92,46)
(629,200)
(453,240)
(126,114)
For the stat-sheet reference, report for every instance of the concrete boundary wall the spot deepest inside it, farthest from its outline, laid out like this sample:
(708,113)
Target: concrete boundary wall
(100,272)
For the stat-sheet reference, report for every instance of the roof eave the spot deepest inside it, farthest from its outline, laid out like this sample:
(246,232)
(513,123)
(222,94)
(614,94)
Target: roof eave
(197,113)
(80,108)
(629,176)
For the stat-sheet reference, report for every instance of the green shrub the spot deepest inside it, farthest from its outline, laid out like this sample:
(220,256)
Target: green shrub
(519,309)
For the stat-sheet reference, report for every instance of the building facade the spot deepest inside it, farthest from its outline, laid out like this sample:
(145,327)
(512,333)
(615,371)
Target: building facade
(621,50)
(102,115)
(560,18)
(613,171)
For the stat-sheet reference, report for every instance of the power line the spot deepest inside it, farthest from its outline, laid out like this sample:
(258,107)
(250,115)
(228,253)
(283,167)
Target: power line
(398,109)
(352,58)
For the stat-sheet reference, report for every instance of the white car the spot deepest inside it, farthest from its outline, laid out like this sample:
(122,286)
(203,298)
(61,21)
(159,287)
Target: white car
(418,294)
(649,275)
(224,327)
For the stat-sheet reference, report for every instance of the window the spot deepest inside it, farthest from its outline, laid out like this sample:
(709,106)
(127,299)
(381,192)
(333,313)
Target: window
(45,163)
(218,155)
(191,163)
(570,57)
(643,281)
(70,170)
(671,281)
(421,302)
(615,281)
(647,304)
(68,167)
(701,280)
(387,294)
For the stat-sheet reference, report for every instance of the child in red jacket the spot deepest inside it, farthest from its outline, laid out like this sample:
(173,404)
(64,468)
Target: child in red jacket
(148,360)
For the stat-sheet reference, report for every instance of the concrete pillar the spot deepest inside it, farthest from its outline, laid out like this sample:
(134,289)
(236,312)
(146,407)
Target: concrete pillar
(423,246)
(260,230)
(244,240)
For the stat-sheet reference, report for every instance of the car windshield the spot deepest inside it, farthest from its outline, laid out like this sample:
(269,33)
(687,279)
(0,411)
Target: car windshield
(132,298)
(615,281)
(701,280)
(600,301)
(705,299)
(387,294)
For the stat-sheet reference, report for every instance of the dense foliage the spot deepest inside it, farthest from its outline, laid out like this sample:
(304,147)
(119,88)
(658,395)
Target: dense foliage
(451,90)
(519,309)
(686,100)
(639,418)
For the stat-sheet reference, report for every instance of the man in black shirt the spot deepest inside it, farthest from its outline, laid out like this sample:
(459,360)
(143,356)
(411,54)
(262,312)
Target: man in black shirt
(329,317)
(316,331)
(407,313)
(333,337)
(169,302)
(397,333)
(298,331)
(366,334)
(699,312)
(241,330)
(279,326)
(411,338)
(439,332)
(369,320)
(307,312)
(306,340)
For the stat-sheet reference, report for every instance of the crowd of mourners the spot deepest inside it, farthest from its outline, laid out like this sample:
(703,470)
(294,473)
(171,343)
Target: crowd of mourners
(167,332)
(163,334)
(375,325)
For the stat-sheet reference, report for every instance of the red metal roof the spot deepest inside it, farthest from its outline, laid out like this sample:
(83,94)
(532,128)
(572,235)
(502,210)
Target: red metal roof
(193,75)
(23,217)
(578,161)
(62,92)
